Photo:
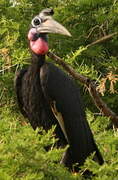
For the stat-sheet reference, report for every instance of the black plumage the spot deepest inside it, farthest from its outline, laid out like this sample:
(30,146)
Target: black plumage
(47,96)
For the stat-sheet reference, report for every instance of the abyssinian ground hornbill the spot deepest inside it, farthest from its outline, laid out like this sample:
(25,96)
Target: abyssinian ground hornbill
(47,96)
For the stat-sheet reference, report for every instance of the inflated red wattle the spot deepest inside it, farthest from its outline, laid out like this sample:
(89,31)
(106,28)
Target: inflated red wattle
(39,46)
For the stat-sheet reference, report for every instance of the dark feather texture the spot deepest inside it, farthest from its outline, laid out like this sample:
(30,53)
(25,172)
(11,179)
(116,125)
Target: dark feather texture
(60,88)
(47,96)
(41,85)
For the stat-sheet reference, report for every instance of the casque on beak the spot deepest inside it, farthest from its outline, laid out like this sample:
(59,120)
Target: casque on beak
(52,26)
(41,25)
(48,24)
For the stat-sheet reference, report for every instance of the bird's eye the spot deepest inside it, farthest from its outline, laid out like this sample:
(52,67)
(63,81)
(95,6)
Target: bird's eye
(36,21)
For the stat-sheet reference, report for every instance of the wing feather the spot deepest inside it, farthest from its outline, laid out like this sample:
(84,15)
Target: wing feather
(18,88)
(60,88)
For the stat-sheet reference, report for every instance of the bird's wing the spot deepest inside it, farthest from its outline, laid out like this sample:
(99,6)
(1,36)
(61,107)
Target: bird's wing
(18,88)
(64,97)
(59,118)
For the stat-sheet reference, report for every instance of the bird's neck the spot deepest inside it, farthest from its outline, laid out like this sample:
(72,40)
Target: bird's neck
(37,60)
(33,74)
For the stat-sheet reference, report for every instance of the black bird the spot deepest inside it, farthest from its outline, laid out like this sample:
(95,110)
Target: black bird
(47,96)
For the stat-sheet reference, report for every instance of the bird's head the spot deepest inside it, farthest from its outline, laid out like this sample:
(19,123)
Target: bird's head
(41,25)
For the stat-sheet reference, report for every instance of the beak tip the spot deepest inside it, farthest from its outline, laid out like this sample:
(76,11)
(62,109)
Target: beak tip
(70,35)
(67,33)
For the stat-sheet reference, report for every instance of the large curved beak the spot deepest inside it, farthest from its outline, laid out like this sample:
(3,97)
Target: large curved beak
(52,26)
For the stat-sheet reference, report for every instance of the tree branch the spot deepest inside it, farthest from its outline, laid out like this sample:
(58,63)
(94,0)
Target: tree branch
(104,38)
(102,106)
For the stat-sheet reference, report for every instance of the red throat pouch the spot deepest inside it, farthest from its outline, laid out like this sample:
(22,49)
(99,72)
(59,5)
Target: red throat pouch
(39,46)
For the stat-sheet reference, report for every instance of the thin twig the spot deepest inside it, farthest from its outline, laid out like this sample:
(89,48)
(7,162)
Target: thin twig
(92,30)
(5,69)
(104,38)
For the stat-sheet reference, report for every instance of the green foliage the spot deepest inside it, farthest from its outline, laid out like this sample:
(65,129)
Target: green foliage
(22,151)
